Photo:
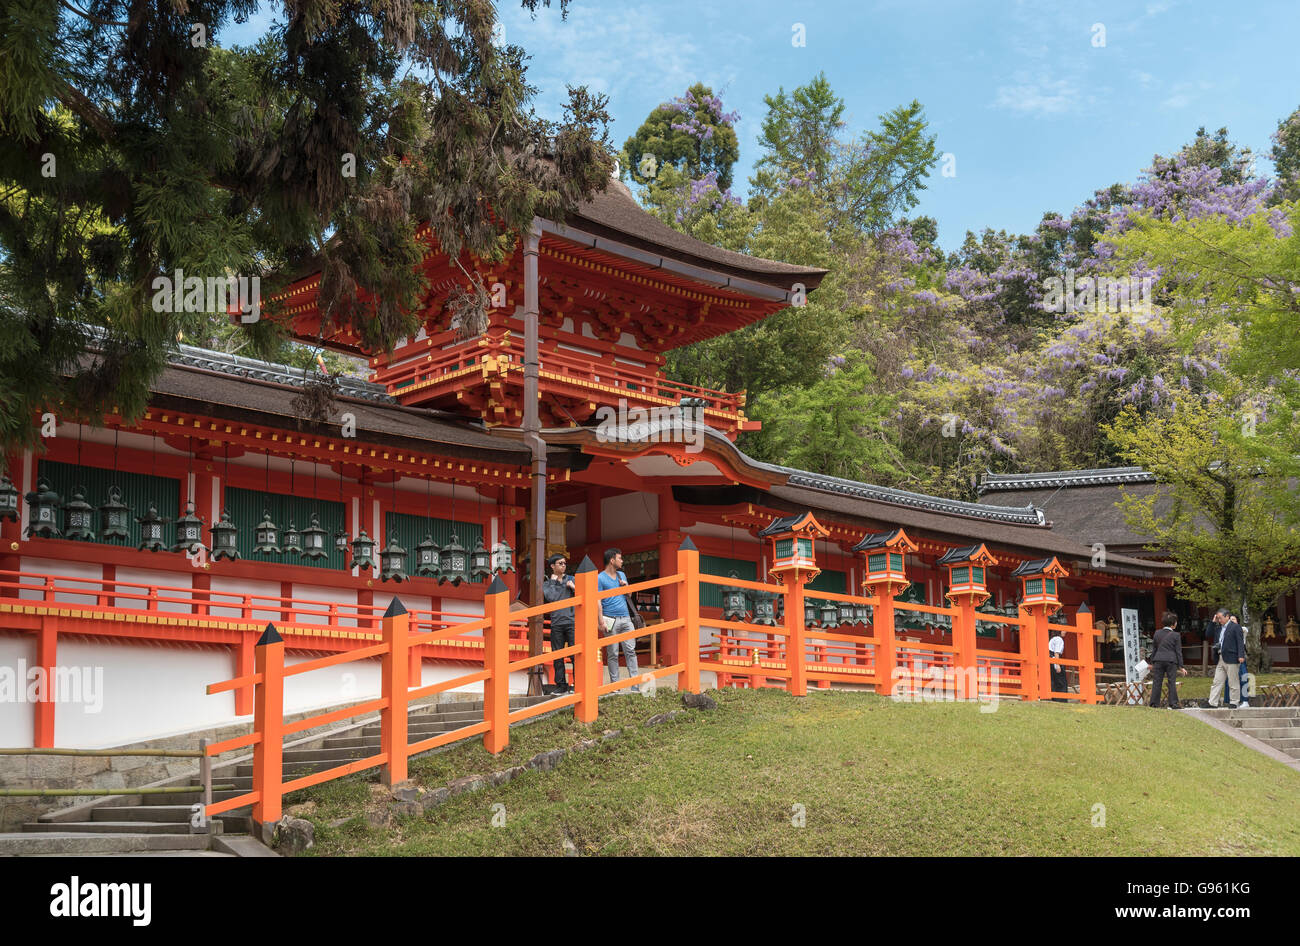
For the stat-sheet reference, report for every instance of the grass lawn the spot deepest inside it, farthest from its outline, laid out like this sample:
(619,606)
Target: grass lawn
(872,777)
(1198,688)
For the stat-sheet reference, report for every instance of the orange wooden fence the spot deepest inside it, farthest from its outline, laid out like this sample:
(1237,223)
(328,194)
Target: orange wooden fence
(791,653)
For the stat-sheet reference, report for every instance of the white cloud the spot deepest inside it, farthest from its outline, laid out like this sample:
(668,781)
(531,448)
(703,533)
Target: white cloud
(1040,96)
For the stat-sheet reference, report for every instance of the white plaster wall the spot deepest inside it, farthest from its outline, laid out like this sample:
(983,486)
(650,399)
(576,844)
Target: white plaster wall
(628,515)
(244,586)
(456,611)
(141,576)
(147,692)
(57,567)
(17,720)
(345,598)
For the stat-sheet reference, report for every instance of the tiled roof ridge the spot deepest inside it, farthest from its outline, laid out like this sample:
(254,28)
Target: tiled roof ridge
(255,369)
(1020,515)
(1102,476)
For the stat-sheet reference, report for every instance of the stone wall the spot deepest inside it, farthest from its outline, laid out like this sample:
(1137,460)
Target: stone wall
(53,771)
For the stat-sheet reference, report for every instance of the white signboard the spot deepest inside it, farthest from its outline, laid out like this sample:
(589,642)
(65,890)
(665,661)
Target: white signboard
(1129,621)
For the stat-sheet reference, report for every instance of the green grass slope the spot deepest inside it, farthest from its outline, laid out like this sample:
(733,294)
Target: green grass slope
(844,774)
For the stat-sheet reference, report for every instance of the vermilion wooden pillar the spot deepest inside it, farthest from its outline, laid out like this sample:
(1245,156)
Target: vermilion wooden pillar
(244,654)
(47,653)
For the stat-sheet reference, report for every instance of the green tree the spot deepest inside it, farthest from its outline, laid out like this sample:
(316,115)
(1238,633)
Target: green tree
(690,135)
(133,147)
(835,425)
(1286,157)
(798,138)
(1216,511)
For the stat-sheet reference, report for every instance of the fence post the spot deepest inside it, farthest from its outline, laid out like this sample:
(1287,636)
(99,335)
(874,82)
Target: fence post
(199,824)
(395,668)
(1028,655)
(797,682)
(1042,632)
(496,661)
(586,625)
(1087,654)
(688,635)
(268,722)
(886,648)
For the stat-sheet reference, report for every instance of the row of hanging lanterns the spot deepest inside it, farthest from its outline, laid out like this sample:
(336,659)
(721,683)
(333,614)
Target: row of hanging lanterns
(451,563)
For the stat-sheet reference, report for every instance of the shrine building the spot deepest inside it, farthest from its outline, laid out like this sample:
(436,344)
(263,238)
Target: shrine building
(159,550)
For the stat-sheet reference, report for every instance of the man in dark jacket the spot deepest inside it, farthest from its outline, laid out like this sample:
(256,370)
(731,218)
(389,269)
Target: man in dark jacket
(557,587)
(1166,656)
(1232,653)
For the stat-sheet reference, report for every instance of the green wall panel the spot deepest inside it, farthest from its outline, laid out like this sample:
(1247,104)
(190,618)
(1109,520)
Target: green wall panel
(138,490)
(411,530)
(246,505)
(711,595)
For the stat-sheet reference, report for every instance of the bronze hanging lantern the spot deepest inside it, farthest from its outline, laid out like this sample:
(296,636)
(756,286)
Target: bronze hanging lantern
(79,516)
(113,516)
(455,562)
(830,614)
(765,608)
(363,552)
(292,540)
(811,612)
(733,602)
(427,558)
(393,562)
(313,540)
(480,562)
(8,499)
(267,536)
(503,558)
(43,504)
(225,539)
(151,530)
(189,532)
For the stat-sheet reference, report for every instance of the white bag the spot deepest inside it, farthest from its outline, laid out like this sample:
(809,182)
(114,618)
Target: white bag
(1142,667)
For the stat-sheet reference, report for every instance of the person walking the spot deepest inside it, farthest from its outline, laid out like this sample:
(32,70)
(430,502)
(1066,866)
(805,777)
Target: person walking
(616,617)
(1166,656)
(1232,654)
(557,587)
(1060,683)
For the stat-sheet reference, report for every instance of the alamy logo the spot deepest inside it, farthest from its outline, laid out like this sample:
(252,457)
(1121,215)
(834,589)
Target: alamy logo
(77,899)
(181,293)
(1097,294)
(935,684)
(81,685)
(679,423)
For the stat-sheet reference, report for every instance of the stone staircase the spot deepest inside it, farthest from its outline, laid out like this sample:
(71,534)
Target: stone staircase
(159,825)
(1278,726)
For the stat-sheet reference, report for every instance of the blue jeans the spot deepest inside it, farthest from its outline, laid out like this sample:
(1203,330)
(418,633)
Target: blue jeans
(629,650)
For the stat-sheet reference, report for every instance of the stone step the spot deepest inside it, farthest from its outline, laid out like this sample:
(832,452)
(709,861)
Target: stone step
(1263,721)
(1290,742)
(155,813)
(115,827)
(331,752)
(73,842)
(1244,712)
(242,785)
(1284,732)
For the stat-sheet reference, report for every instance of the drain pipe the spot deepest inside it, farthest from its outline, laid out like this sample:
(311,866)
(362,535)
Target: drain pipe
(536,446)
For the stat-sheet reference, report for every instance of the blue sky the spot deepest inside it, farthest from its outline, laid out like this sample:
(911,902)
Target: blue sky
(1036,115)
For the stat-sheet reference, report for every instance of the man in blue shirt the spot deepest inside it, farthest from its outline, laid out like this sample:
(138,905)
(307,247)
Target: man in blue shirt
(616,618)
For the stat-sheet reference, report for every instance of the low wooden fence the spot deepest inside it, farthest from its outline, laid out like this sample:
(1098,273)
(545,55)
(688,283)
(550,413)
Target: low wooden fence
(790,655)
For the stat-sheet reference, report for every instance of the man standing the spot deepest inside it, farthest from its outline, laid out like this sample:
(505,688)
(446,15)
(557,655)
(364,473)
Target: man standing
(1232,654)
(1166,655)
(557,587)
(616,616)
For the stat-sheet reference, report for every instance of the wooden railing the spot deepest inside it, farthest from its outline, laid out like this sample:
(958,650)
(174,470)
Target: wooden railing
(791,655)
(648,384)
